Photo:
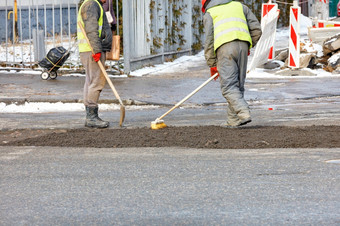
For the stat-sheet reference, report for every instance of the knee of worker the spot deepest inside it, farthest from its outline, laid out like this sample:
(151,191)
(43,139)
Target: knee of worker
(229,83)
(96,87)
(231,90)
(229,78)
(102,81)
(98,83)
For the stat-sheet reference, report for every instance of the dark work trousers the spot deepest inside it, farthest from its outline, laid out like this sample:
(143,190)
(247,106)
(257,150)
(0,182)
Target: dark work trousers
(95,79)
(232,59)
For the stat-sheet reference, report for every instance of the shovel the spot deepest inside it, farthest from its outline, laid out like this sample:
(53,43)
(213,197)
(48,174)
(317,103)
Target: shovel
(122,107)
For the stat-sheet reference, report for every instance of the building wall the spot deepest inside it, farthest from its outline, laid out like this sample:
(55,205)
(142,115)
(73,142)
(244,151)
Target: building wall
(4,3)
(45,19)
(159,30)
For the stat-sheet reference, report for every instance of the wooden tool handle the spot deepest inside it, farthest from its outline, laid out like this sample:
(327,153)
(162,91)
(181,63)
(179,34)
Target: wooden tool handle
(188,96)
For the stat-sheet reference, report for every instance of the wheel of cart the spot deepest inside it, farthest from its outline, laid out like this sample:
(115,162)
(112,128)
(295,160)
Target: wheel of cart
(53,74)
(49,74)
(45,75)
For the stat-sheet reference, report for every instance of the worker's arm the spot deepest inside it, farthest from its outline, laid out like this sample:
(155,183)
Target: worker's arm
(254,25)
(90,14)
(209,51)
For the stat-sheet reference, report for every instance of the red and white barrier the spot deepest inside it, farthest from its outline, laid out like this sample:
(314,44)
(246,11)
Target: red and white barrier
(294,36)
(266,42)
(269,10)
(326,23)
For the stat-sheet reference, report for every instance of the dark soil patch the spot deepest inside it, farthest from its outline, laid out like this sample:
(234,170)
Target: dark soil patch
(191,137)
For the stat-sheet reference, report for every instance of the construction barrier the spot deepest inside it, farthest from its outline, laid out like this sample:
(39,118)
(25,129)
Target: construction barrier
(294,36)
(319,35)
(327,23)
(264,45)
(269,11)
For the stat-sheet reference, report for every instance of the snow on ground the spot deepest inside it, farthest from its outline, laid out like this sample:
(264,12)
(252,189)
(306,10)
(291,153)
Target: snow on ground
(45,107)
(179,65)
(263,73)
(23,52)
(333,59)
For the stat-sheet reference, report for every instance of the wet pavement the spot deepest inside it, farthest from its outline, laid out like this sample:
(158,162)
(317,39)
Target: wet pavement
(277,100)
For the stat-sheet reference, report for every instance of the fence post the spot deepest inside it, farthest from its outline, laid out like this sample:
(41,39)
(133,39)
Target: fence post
(38,44)
(294,36)
(126,37)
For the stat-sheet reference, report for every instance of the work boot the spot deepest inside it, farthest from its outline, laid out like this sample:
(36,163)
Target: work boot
(92,119)
(237,124)
(244,117)
(230,125)
(233,120)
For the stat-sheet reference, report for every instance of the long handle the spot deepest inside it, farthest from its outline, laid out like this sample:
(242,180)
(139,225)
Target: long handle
(188,96)
(101,66)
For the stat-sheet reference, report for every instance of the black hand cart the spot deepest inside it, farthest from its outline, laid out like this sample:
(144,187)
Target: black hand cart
(54,59)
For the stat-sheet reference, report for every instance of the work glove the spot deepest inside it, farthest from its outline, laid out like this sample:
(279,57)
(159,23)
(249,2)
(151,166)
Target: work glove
(213,71)
(96,56)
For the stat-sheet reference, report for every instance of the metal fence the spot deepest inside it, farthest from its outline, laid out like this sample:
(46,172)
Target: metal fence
(29,28)
(156,30)
(153,30)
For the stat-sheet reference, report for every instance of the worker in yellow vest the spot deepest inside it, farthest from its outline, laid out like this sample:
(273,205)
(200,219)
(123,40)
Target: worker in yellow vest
(231,30)
(98,31)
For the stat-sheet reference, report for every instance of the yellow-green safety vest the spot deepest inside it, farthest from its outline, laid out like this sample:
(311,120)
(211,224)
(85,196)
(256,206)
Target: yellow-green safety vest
(82,43)
(230,24)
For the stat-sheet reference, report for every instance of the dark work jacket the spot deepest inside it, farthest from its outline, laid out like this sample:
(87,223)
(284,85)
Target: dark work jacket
(90,13)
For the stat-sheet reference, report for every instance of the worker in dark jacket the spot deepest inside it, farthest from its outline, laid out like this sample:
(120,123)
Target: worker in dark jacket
(231,30)
(111,17)
(92,16)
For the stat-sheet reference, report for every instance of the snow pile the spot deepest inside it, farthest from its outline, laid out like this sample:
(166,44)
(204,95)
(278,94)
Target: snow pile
(334,58)
(181,64)
(310,47)
(40,107)
(305,23)
(46,107)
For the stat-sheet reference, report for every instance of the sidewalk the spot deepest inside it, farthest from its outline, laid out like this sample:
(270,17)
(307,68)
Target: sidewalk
(162,90)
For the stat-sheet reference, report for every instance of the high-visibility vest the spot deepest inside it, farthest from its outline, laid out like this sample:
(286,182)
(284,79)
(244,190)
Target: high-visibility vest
(230,24)
(82,43)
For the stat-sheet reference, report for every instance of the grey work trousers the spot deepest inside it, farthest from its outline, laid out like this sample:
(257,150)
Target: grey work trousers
(232,59)
(95,79)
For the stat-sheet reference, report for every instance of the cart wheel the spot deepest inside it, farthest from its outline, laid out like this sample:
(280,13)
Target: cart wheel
(53,75)
(45,75)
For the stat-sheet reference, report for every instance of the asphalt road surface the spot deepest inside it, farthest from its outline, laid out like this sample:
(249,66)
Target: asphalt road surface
(169,186)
